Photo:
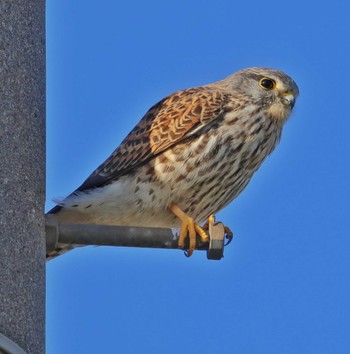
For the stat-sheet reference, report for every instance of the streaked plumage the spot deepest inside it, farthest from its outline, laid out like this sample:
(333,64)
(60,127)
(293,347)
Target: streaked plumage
(197,148)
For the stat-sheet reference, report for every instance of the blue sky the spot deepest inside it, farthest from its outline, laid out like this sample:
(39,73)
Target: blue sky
(283,286)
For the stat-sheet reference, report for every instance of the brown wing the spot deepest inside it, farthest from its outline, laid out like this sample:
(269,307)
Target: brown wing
(175,118)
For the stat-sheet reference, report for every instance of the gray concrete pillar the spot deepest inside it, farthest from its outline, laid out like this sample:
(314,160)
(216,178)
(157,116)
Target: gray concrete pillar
(22,173)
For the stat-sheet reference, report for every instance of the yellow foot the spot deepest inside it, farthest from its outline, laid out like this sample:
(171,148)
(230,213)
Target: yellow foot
(188,229)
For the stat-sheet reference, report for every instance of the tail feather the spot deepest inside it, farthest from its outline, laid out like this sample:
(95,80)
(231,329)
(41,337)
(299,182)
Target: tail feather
(61,249)
(55,209)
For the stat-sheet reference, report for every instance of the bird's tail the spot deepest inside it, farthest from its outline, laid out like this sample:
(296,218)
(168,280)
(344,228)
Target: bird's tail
(55,209)
(60,249)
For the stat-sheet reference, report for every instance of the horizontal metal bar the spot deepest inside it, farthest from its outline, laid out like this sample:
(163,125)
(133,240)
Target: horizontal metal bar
(108,235)
(117,236)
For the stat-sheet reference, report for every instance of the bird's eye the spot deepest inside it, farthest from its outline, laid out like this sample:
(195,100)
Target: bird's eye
(267,84)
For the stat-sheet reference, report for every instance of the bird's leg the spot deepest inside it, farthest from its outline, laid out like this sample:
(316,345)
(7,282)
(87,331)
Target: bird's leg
(188,228)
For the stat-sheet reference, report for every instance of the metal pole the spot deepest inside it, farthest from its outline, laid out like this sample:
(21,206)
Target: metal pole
(108,235)
(22,174)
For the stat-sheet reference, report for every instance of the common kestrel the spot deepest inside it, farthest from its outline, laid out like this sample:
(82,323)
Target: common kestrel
(188,157)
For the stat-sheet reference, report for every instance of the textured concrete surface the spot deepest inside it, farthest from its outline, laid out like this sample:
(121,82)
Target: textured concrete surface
(22,172)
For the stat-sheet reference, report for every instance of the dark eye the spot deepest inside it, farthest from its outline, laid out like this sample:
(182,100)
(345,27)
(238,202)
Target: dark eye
(267,84)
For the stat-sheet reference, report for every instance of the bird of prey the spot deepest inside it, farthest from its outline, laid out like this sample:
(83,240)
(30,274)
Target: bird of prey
(189,156)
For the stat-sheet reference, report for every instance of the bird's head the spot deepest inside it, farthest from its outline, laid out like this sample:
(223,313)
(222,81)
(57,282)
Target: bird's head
(271,89)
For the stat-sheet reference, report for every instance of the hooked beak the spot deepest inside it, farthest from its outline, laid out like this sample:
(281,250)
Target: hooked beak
(288,99)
